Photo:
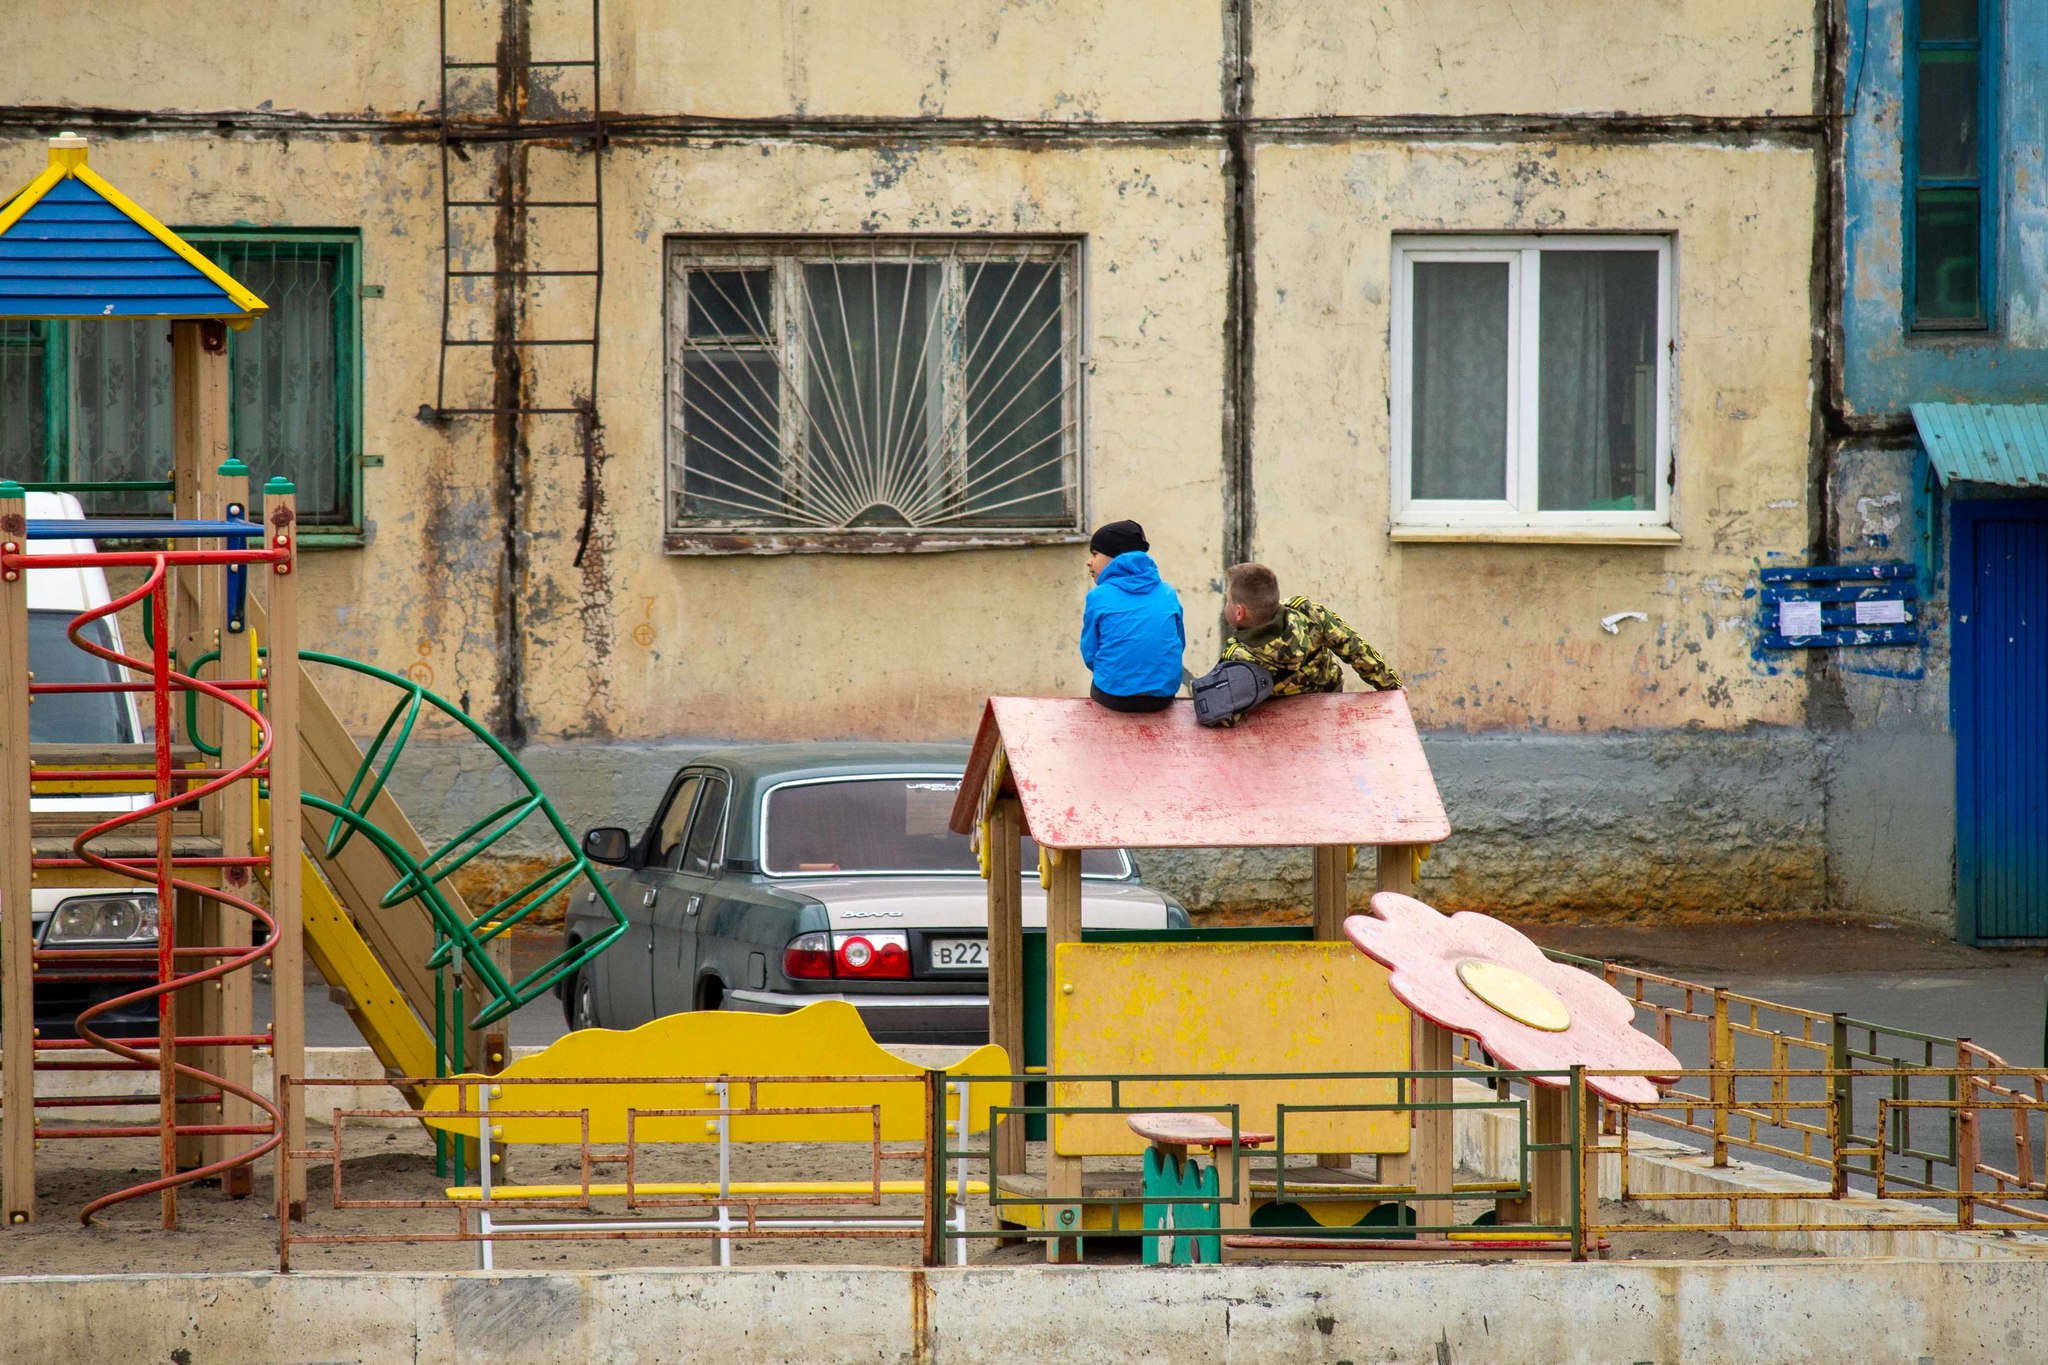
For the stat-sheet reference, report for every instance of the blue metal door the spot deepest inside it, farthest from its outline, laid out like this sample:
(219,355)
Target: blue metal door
(1998,696)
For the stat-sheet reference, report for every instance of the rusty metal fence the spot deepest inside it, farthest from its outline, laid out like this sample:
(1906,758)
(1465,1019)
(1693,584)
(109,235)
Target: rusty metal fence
(642,1203)
(1945,1125)
(1996,1113)
(1879,1109)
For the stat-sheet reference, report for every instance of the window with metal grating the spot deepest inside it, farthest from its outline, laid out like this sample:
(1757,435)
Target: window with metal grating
(872,394)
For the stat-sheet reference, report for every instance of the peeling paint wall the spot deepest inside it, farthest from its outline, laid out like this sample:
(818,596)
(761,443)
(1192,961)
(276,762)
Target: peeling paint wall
(1496,636)
(1884,367)
(357,57)
(1733,58)
(1072,61)
(898,646)
(1125,126)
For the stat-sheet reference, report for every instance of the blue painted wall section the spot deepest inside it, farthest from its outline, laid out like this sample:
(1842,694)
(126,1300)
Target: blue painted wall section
(1884,367)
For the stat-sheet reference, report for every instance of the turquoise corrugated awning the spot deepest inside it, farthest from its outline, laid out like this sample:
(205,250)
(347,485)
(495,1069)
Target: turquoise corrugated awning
(1994,443)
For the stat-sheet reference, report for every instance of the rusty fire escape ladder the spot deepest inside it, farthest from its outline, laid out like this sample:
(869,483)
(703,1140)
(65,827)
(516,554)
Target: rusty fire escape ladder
(506,128)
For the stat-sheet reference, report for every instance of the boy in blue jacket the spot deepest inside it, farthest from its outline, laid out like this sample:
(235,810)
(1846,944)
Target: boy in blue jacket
(1131,633)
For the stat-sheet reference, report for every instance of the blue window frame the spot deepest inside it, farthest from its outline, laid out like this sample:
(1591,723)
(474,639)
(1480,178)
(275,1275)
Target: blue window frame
(92,400)
(1951,178)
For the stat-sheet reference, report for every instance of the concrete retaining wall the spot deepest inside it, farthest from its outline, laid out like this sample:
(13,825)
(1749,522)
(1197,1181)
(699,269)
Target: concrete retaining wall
(1673,1313)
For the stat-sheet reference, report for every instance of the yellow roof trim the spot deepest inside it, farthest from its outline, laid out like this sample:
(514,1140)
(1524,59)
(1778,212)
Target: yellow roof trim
(29,197)
(241,296)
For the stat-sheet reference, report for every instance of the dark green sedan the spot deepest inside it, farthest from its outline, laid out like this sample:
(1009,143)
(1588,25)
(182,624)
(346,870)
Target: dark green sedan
(772,877)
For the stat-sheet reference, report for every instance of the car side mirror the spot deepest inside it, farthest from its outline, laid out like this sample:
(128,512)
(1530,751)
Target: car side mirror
(608,844)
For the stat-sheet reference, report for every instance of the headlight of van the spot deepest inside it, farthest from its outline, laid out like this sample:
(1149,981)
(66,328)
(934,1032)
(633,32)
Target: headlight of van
(103,919)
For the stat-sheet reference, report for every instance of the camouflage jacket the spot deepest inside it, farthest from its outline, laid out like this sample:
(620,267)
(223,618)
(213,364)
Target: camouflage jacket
(1300,647)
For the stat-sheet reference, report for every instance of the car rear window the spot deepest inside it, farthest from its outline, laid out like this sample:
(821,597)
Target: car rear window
(73,717)
(883,824)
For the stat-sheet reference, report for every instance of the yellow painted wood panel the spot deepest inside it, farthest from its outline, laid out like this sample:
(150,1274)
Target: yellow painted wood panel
(1153,1008)
(825,1039)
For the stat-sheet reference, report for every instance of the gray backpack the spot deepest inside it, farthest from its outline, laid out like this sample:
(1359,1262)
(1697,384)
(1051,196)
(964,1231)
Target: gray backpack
(1230,689)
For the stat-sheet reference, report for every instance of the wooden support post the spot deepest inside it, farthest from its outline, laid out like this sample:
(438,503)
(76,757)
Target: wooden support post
(288,953)
(199,445)
(1396,870)
(1006,964)
(17,933)
(1585,1124)
(1432,1157)
(1331,902)
(1062,926)
(1550,1119)
(1590,1128)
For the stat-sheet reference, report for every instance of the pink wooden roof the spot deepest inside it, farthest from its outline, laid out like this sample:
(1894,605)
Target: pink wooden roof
(1336,768)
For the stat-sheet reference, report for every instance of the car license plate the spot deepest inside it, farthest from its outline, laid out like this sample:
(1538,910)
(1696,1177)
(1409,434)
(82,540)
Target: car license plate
(954,954)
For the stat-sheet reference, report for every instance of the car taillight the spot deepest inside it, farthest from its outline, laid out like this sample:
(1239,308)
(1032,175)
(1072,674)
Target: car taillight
(808,958)
(873,956)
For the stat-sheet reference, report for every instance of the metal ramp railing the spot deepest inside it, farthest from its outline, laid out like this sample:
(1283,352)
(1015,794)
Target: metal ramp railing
(465,936)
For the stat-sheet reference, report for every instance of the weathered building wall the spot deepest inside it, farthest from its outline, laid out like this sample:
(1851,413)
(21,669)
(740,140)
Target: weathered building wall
(1884,713)
(1884,367)
(1079,61)
(1499,635)
(1661,767)
(895,646)
(1736,59)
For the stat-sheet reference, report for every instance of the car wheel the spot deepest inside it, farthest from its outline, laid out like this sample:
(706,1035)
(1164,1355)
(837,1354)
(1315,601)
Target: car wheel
(711,994)
(582,1002)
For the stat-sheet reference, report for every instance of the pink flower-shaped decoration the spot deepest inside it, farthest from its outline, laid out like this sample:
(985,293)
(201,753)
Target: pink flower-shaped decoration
(1474,975)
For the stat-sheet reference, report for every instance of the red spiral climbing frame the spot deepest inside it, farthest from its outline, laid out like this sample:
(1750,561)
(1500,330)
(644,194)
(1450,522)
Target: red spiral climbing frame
(178,967)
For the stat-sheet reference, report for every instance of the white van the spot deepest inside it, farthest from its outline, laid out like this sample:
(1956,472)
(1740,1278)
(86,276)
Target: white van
(119,915)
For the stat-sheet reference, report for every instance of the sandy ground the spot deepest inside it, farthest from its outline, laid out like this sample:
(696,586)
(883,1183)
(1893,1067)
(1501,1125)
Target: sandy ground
(218,1234)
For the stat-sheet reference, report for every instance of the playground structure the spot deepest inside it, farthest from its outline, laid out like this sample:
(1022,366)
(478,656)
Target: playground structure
(1334,772)
(240,877)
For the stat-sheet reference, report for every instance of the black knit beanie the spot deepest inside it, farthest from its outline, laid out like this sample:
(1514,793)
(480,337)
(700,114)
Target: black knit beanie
(1118,538)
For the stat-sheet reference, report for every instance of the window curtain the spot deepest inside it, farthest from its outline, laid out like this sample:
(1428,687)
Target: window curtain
(1596,449)
(23,422)
(121,409)
(1459,380)
(287,418)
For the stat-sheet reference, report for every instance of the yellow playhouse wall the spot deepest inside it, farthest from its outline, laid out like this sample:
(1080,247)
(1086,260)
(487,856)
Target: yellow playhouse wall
(1166,1008)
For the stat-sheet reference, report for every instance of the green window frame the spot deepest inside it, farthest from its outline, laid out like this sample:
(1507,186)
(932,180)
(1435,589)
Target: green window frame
(256,389)
(1950,214)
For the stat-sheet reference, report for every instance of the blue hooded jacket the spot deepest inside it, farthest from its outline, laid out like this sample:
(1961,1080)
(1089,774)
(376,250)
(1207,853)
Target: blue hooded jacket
(1131,633)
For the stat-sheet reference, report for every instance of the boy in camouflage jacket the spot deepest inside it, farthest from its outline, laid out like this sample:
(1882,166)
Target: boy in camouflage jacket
(1298,641)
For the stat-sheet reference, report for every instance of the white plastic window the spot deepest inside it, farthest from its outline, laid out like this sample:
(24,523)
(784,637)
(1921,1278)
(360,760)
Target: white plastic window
(1532,382)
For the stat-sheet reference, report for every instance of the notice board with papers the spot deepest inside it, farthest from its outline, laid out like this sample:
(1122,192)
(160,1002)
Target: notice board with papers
(1828,606)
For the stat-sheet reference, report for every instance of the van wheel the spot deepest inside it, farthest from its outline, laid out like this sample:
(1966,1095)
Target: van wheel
(582,1003)
(711,994)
